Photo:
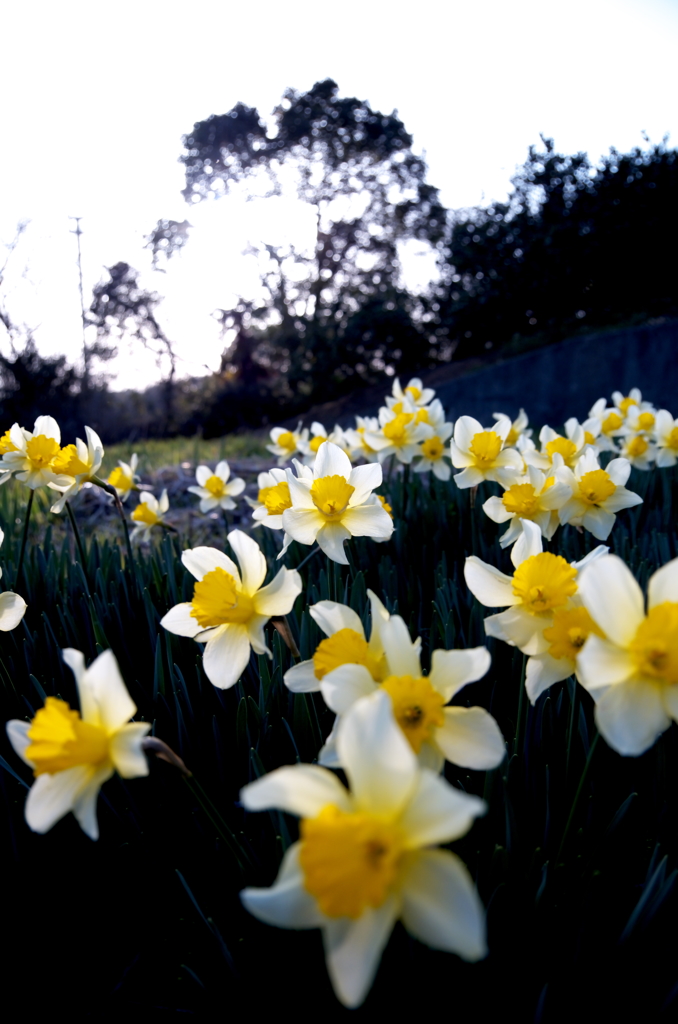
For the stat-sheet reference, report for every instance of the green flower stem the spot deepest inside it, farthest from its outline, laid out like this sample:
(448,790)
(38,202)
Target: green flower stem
(573,727)
(308,558)
(24,537)
(580,787)
(79,545)
(520,723)
(121,512)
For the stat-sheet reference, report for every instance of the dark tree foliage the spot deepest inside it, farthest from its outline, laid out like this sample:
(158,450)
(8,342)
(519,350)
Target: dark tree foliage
(575,245)
(31,385)
(167,238)
(354,167)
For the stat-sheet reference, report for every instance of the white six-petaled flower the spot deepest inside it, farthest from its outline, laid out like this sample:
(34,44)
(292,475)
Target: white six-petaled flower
(482,454)
(597,494)
(148,513)
(214,489)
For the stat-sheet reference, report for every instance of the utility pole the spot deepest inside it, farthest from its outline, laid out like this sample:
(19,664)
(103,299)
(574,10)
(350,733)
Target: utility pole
(85,354)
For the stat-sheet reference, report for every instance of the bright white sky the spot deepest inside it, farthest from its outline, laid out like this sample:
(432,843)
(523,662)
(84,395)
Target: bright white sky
(96,97)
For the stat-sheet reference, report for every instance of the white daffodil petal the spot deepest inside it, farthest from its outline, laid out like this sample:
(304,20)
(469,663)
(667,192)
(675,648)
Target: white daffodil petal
(471,738)
(602,664)
(301,678)
(328,756)
(17,734)
(488,585)
(126,753)
(301,789)
(365,479)
(368,521)
(543,671)
(437,812)
(302,524)
(115,705)
(287,904)
(332,616)
(451,670)
(612,598)
(441,906)
(353,950)
(401,655)
(331,461)
(12,610)
(85,803)
(331,540)
(200,561)
(226,655)
(631,716)
(53,796)
(376,757)
(344,685)
(178,620)
(251,559)
(518,628)
(279,595)
(663,585)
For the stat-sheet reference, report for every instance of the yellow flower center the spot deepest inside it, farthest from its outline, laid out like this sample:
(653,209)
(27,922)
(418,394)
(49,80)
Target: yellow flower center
(672,439)
(396,429)
(611,423)
(217,599)
(331,495)
(215,485)
(350,861)
(562,446)
(520,500)
(6,445)
(276,499)
(588,437)
(543,582)
(143,513)
(385,505)
(645,421)
(422,416)
(654,648)
(485,447)
(569,632)
(626,404)
(397,408)
(69,462)
(315,442)
(637,446)
(41,451)
(120,480)
(417,706)
(595,487)
(288,441)
(512,437)
(414,391)
(346,647)
(433,449)
(61,740)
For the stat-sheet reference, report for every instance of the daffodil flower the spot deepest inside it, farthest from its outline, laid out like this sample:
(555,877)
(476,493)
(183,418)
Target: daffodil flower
(6,445)
(364,858)
(124,477)
(230,608)
(286,443)
(626,402)
(469,737)
(604,424)
(566,636)
(632,670)
(337,504)
(214,488)
(346,642)
(12,606)
(33,455)
(148,513)
(519,428)
(597,494)
(534,496)
(80,462)
(639,450)
(309,447)
(541,584)
(72,754)
(414,392)
(481,454)
(570,448)
(356,438)
(400,433)
(666,439)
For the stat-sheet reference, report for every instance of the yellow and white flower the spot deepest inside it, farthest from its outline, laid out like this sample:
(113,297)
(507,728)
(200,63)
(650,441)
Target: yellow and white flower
(364,857)
(519,428)
(336,504)
(355,438)
(597,494)
(346,643)
(433,454)
(230,607)
(541,584)
(273,497)
(80,462)
(570,448)
(632,670)
(287,443)
(666,439)
(534,496)
(566,636)
(214,488)
(149,513)
(12,606)
(309,447)
(638,449)
(413,392)
(400,433)
(33,455)
(624,403)
(482,454)
(124,477)
(469,737)
(605,423)
(72,754)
